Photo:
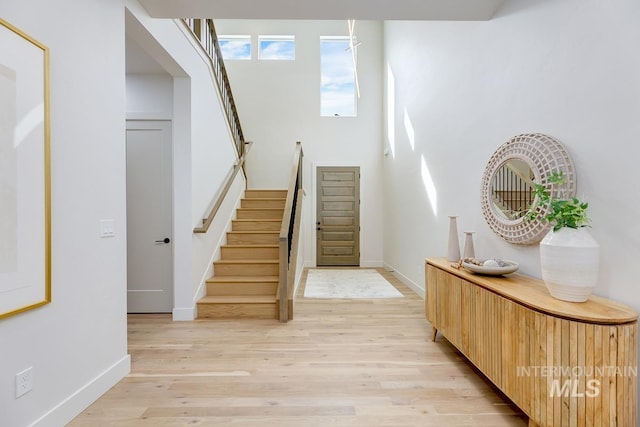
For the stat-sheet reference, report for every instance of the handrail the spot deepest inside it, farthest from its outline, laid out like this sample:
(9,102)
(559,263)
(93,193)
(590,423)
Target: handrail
(205,33)
(290,222)
(206,222)
(293,261)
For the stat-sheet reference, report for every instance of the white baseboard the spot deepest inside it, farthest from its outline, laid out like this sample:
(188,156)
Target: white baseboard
(406,281)
(184,314)
(73,405)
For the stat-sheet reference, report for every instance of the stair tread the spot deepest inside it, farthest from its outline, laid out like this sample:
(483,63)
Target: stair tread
(254,232)
(243,299)
(258,220)
(266,198)
(261,209)
(259,245)
(247,261)
(243,279)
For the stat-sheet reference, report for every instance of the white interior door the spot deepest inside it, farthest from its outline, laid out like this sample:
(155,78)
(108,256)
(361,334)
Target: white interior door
(149,217)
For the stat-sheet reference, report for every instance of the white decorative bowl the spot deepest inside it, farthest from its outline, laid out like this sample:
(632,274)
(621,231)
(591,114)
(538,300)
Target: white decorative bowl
(510,267)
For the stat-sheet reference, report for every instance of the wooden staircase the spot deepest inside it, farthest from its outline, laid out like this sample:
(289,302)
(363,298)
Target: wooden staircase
(245,280)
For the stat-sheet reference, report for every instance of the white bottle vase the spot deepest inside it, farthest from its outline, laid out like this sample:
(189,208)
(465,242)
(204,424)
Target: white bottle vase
(453,251)
(469,250)
(570,260)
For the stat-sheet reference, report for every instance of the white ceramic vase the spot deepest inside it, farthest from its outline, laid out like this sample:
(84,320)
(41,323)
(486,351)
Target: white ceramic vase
(570,259)
(469,251)
(453,249)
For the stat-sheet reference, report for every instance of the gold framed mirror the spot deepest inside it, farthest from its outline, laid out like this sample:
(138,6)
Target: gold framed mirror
(508,185)
(25,184)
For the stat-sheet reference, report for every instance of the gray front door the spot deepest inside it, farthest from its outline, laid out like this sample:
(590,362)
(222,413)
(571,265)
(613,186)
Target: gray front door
(338,216)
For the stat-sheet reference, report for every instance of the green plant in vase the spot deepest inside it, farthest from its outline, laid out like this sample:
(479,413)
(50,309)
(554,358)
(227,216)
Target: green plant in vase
(571,213)
(569,256)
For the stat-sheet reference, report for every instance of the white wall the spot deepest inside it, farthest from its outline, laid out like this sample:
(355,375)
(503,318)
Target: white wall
(150,95)
(205,150)
(77,345)
(568,68)
(279,104)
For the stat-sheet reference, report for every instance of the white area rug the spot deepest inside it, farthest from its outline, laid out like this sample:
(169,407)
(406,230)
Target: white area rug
(348,283)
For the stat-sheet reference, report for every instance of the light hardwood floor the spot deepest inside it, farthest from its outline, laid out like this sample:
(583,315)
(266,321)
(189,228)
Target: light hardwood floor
(343,363)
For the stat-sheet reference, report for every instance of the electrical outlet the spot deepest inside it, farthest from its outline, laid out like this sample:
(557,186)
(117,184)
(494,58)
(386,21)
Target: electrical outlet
(24,381)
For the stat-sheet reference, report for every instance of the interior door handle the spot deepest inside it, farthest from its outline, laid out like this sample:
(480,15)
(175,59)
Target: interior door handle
(165,240)
(319,228)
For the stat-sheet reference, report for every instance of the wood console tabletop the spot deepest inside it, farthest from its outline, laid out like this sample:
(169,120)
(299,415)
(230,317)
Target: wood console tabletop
(533,293)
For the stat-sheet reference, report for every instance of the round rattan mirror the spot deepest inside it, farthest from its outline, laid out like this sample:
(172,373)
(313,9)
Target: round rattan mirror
(507,185)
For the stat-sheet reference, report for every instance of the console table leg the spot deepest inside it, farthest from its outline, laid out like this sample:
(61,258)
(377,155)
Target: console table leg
(435,333)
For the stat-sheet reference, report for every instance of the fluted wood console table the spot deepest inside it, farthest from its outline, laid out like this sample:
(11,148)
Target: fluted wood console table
(562,363)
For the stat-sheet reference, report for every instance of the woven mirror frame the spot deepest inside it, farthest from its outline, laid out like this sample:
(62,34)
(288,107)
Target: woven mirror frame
(544,155)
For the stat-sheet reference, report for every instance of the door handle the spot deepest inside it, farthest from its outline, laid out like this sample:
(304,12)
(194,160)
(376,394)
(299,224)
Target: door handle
(319,228)
(165,240)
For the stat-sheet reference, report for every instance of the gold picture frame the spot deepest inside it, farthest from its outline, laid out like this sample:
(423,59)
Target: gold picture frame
(25,184)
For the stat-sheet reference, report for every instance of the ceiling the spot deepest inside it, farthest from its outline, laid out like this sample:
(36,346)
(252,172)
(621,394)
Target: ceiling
(457,10)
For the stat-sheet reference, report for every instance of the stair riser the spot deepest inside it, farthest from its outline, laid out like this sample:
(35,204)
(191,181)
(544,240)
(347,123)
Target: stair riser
(252,238)
(256,226)
(237,311)
(234,288)
(262,203)
(249,253)
(260,213)
(245,270)
(265,194)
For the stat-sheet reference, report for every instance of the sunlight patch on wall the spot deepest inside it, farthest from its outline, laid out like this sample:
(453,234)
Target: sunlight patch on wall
(408,127)
(391,110)
(430,187)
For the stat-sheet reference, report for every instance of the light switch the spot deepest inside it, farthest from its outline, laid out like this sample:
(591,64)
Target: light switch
(107,228)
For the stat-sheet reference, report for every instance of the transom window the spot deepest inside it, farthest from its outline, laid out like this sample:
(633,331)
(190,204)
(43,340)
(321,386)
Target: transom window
(235,47)
(282,48)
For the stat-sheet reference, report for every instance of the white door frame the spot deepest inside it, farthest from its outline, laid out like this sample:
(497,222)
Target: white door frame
(183,294)
(170,232)
(184,298)
(320,222)
(311,249)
